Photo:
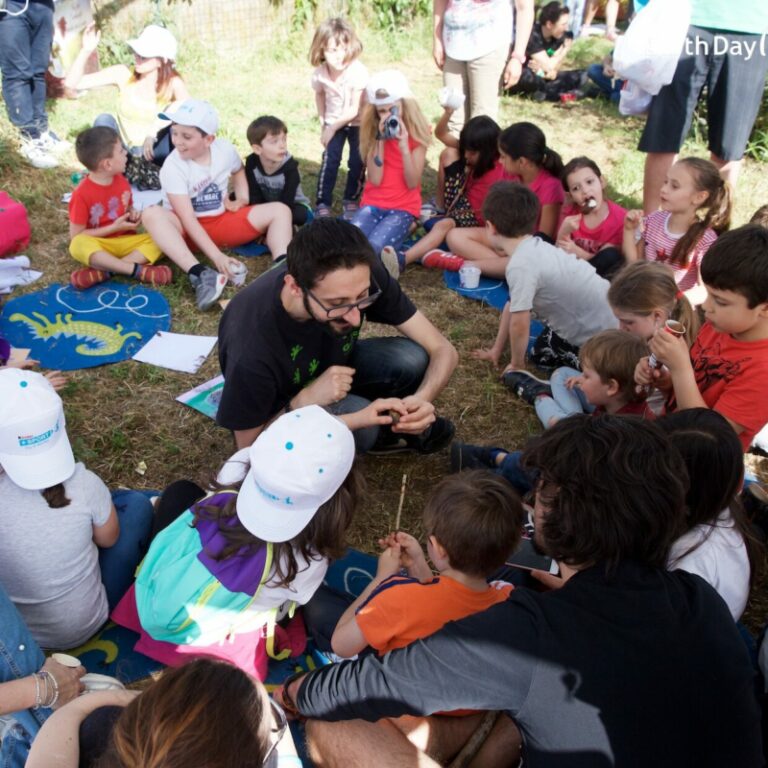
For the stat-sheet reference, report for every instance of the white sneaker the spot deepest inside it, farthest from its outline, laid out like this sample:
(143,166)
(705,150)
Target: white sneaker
(36,154)
(50,142)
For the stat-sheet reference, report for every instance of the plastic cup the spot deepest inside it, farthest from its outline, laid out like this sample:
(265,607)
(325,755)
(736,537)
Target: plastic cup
(66,660)
(469,277)
(237,274)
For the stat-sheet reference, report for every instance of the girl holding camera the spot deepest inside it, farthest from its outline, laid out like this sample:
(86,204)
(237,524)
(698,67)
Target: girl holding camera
(394,135)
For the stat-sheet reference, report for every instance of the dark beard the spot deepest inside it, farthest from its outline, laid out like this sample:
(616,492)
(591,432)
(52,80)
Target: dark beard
(326,324)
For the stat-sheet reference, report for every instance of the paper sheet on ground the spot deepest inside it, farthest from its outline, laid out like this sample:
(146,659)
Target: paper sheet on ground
(204,397)
(177,351)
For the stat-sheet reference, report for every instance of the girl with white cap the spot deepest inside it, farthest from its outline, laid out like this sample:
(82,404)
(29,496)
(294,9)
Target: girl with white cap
(149,88)
(62,564)
(215,581)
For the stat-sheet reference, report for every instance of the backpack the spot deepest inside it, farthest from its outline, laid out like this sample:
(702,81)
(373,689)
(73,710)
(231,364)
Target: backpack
(179,600)
(14,226)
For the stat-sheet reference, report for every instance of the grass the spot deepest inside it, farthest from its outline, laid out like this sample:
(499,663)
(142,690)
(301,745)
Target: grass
(122,415)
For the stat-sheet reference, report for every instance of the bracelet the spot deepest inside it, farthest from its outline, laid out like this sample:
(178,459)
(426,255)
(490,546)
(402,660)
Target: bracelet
(48,698)
(289,703)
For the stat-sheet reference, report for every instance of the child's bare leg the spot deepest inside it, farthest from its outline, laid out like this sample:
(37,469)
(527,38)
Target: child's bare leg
(471,243)
(275,220)
(110,263)
(494,353)
(431,240)
(494,268)
(166,230)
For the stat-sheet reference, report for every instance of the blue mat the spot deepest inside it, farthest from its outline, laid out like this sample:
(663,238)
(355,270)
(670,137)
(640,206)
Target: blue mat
(68,329)
(251,249)
(492,292)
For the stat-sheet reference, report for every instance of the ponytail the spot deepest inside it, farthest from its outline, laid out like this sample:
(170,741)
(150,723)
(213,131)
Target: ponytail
(527,140)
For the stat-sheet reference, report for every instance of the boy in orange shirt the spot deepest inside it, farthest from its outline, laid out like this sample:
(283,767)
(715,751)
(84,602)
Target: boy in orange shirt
(474,522)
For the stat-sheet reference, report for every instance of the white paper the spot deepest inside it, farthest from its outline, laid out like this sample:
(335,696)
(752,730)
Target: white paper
(177,351)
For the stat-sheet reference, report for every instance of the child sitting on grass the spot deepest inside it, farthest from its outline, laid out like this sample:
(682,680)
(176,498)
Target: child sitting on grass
(727,366)
(102,221)
(196,210)
(565,293)
(473,523)
(272,174)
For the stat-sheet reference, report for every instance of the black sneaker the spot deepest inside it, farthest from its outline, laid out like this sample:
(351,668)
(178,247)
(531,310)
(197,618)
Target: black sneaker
(433,439)
(526,386)
(466,456)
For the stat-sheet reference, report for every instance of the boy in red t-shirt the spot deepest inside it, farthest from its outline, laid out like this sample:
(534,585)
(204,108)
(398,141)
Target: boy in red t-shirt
(727,367)
(473,522)
(102,221)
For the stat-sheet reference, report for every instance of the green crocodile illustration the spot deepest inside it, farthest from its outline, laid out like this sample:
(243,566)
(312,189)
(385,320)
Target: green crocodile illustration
(107,340)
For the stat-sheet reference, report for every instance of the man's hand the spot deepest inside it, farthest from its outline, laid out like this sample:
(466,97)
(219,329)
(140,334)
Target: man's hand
(380,413)
(331,386)
(552,581)
(420,414)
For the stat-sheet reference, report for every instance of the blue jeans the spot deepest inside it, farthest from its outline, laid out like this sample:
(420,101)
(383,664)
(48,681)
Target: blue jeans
(20,656)
(329,168)
(118,562)
(25,50)
(608,87)
(564,402)
(388,367)
(383,226)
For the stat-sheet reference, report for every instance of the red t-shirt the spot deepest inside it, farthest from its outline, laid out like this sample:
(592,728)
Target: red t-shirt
(393,193)
(477,189)
(610,231)
(731,376)
(547,188)
(94,205)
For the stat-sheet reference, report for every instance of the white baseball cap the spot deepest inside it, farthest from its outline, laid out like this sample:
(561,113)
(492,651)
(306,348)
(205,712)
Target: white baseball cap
(194,112)
(387,87)
(34,447)
(297,464)
(155,41)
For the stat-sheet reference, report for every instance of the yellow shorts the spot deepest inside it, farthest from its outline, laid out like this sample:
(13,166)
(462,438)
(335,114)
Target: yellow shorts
(82,246)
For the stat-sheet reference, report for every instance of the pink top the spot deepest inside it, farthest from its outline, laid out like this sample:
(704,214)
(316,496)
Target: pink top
(610,231)
(547,188)
(477,189)
(339,93)
(659,242)
(393,193)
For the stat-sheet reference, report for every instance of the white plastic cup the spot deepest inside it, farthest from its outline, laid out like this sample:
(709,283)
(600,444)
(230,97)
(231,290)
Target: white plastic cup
(469,277)
(237,274)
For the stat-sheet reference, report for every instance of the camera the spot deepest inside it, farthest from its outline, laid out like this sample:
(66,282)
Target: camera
(392,125)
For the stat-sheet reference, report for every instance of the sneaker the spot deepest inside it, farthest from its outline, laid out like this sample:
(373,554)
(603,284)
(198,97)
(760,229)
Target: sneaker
(208,287)
(322,211)
(433,439)
(526,386)
(36,154)
(350,208)
(438,259)
(160,275)
(393,261)
(466,456)
(87,277)
(52,143)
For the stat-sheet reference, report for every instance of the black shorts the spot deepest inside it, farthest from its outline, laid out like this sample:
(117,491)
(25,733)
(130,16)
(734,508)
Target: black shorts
(734,84)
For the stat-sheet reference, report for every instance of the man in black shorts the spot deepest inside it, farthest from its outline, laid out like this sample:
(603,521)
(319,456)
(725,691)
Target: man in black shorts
(290,339)
(726,50)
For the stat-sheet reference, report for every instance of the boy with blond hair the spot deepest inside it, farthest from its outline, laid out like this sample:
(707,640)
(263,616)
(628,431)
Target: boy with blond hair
(102,221)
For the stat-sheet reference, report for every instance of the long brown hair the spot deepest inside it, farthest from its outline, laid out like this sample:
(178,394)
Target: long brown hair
(644,286)
(165,74)
(205,713)
(324,535)
(716,208)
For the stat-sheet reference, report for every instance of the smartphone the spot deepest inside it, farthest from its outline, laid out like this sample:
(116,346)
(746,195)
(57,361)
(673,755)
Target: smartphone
(527,555)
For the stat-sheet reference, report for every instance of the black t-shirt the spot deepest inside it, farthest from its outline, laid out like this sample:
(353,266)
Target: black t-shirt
(537,43)
(267,357)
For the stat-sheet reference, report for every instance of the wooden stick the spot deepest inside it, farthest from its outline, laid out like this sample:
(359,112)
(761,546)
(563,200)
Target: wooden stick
(400,505)
(476,740)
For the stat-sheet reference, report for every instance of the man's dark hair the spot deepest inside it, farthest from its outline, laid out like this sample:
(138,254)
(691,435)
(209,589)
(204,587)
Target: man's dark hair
(266,125)
(478,518)
(552,12)
(512,208)
(94,145)
(738,261)
(325,245)
(614,488)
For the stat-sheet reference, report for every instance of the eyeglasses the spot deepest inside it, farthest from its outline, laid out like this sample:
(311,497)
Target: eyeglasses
(335,313)
(279,727)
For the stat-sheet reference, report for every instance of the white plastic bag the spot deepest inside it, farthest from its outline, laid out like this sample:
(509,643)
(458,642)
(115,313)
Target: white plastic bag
(633,100)
(649,51)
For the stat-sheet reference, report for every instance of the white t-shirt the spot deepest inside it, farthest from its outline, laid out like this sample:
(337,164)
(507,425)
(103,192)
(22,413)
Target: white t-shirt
(474,28)
(338,93)
(720,559)
(206,185)
(562,291)
(50,564)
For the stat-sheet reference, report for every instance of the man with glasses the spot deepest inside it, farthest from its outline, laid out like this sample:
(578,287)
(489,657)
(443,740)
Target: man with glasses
(290,339)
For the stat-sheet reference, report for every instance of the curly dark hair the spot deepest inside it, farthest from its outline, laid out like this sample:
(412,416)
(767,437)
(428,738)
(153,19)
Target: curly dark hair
(614,487)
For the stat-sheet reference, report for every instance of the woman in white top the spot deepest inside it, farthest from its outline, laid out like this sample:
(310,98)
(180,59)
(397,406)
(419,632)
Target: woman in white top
(717,545)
